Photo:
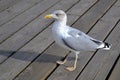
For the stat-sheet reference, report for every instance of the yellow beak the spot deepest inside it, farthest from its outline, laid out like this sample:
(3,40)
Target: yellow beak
(48,16)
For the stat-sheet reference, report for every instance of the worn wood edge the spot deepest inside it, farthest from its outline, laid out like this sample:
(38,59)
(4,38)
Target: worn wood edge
(60,76)
(22,20)
(42,28)
(12,12)
(22,74)
(7,4)
(106,69)
(91,75)
(10,61)
(116,71)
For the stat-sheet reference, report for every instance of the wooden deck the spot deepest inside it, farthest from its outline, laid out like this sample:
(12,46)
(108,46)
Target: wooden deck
(28,51)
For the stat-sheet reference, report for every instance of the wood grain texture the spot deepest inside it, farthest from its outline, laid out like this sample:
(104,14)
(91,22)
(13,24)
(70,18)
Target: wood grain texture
(30,31)
(50,56)
(23,60)
(28,51)
(112,56)
(116,71)
(17,9)
(95,13)
(16,63)
(102,26)
(4,4)
(25,18)
(99,67)
(47,68)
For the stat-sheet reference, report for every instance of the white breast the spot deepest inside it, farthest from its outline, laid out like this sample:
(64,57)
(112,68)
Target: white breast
(59,32)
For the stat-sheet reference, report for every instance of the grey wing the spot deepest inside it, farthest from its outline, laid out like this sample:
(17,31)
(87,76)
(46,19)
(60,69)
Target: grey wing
(80,41)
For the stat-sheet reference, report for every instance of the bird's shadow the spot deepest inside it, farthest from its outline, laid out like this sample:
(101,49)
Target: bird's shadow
(30,56)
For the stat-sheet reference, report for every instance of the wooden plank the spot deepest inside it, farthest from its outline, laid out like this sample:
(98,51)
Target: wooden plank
(111,58)
(48,59)
(96,12)
(36,71)
(45,71)
(112,16)
(100,65)
(83,6)
(30,31)
(48,55)
(30,51)
(33,49)
(115,75)
(15,64)
(4,4)
(16,10)
(20,21)
(97,64)
(19,55)
(104,25)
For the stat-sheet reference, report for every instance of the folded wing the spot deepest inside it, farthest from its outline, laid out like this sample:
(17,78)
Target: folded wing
(78,41)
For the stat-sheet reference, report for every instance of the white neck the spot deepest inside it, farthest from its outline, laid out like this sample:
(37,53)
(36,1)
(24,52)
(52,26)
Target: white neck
(59,24)
(62,21)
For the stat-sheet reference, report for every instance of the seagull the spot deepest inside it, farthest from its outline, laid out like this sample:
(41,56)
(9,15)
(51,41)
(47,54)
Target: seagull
(72,39)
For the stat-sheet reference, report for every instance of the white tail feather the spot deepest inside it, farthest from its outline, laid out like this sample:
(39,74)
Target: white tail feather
(105,46)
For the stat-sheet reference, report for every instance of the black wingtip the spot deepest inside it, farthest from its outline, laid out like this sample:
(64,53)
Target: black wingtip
(107,46)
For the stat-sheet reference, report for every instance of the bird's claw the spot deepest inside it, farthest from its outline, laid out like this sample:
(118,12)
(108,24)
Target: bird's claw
(61,62)
(70,68)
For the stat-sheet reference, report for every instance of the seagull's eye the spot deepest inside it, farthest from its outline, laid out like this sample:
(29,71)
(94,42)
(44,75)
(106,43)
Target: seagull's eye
(57,14)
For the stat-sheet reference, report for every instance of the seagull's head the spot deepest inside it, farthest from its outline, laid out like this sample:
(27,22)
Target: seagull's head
(59,15)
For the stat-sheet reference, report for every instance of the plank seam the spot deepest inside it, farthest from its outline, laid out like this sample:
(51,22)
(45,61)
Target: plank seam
(27,23)
(72,24)
(33,60)
(96,51)
(57,65)
(112,29)
(19,14)
(36,34)
(46,48)
(103,40)
(102,15)
(85,12)
(117,57)
(8,7)
(93,24)
(27,41)
(109,74)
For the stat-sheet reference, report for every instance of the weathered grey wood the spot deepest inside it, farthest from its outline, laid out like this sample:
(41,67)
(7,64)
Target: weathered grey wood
(26,75)
(50,56)
(46,61)
(104,25)
(80,8)
(4,4)
(22,76)
(102,62)
(26,54)
(17,9)
(23,60)
(25,18)
(27,33)
(97,64)
(30,51)
(109,60)
(95,13)
(16,63)
(115,75)
(112,15)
